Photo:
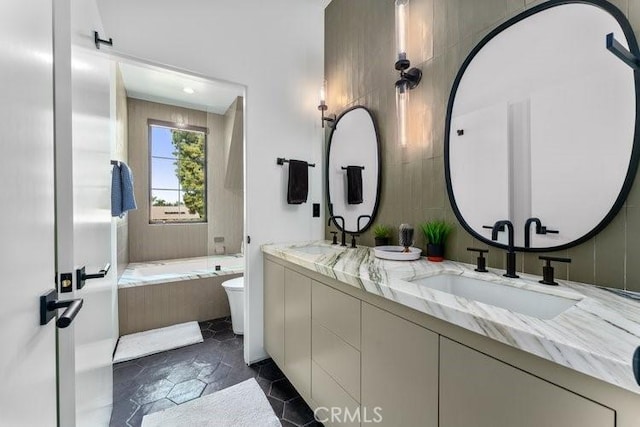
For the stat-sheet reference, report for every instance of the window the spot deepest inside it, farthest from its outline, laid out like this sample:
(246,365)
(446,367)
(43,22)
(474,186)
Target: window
(177,173)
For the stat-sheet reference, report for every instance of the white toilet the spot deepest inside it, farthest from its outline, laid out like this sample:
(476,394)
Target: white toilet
(235,293)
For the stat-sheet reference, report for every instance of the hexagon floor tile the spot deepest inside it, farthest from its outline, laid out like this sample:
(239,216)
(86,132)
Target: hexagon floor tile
(161,381)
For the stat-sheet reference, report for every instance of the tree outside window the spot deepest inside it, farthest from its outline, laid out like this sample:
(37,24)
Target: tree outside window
(178,174)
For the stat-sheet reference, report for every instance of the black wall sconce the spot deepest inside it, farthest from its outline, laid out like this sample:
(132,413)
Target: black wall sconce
(331,118)
(409,77)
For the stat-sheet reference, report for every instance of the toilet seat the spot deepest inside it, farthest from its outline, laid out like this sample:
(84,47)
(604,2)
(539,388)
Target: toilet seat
(236,284)
(234,289)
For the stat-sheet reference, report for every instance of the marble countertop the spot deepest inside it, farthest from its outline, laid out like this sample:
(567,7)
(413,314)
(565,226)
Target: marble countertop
(597,336)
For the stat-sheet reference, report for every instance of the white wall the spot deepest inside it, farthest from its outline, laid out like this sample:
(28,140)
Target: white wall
(119,151)
(83,150)
(275,49)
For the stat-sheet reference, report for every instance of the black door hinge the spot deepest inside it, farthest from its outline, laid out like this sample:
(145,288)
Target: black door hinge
(248,239)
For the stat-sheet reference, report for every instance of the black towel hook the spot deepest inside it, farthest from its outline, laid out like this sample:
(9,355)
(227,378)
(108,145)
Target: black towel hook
(98,41)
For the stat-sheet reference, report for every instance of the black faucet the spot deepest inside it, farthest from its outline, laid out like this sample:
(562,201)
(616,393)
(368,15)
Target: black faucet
(511,253)
(481,264)
(344,236)
(354,235)
(335,238)
(540,229)
(547,270)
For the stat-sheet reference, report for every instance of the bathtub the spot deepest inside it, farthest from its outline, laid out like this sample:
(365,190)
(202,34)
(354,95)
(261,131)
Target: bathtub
(162,293)
(154,272)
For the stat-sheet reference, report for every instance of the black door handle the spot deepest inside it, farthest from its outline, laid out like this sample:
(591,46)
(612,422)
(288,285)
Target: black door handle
(49,305)
(82,276)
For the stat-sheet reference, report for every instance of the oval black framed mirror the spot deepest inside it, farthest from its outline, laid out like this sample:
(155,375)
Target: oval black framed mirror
(542,126)
(353,171)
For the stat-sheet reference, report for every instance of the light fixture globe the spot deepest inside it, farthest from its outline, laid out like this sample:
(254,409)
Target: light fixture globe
(409,77)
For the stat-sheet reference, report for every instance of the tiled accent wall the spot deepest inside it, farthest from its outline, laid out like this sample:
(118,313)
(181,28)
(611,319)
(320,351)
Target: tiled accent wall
(122,154)
(149,242)
(225,205)
(359,58)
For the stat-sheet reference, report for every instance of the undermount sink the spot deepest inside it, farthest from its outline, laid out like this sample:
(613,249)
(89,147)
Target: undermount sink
(316,250)
(519,300)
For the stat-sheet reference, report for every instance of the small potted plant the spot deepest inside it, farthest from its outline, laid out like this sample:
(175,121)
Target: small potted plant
(436,232)
(382,235)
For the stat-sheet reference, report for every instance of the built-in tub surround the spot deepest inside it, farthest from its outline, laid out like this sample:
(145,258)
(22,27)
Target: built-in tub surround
(174,270)
(596,336)
(162,293)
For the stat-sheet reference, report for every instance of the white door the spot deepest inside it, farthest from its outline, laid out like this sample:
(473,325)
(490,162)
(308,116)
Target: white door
(83,146)
(27,264)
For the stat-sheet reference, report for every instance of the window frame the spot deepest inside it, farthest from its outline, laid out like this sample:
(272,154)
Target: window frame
(176,126)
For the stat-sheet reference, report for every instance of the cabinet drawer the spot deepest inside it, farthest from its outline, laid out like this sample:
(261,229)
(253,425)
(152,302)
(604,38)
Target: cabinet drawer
(336,311)
(337,358)
(478,390)
(327,394)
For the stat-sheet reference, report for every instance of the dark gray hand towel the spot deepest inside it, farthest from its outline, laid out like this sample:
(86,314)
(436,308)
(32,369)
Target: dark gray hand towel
(354,185)
(298,182)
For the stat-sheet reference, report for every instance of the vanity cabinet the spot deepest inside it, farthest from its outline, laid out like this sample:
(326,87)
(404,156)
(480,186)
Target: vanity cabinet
(367,357)
(287,323)
(399,370)
(480,391)
(297,330)
(274,311)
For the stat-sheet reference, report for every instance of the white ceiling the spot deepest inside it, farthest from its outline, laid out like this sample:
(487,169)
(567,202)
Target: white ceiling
(167,87)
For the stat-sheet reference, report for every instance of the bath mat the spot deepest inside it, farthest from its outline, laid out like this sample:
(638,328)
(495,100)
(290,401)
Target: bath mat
(241,405)
(142,344)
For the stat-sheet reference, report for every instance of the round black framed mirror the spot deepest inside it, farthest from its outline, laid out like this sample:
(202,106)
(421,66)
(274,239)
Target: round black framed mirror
(353,169)
(542,126)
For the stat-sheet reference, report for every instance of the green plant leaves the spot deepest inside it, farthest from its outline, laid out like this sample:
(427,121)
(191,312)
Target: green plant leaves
(436,231)
(381,230)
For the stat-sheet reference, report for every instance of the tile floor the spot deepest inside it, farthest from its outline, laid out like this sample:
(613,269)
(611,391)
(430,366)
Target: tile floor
(167,379)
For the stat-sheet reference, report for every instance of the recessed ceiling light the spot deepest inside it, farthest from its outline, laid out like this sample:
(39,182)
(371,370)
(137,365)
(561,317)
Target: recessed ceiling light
(188,90)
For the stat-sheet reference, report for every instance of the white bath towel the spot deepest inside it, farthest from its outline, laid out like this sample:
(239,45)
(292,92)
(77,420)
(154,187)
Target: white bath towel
(142,344)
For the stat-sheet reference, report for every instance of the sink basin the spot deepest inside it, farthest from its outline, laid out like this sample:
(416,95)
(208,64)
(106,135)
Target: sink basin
(523,301)
(316,250)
